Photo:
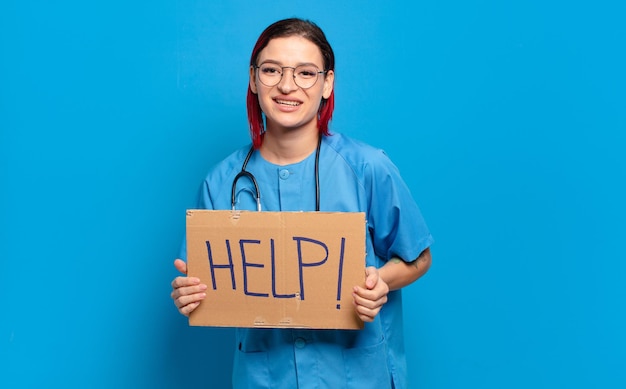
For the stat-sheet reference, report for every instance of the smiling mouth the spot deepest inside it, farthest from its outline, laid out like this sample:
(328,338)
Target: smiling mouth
(287,102)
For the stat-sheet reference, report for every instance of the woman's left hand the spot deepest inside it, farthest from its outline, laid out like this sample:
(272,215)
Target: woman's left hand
(369,300)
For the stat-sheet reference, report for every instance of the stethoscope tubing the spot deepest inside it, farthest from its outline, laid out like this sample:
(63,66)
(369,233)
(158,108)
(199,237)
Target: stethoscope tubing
(245,173)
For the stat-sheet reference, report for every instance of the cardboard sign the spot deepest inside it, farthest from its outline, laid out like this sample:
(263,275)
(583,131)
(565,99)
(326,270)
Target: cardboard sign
(276,269)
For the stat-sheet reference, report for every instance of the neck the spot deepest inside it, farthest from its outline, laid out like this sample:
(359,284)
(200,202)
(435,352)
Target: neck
(288,147)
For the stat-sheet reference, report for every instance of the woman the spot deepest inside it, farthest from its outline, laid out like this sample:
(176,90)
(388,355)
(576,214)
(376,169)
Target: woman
(290,102)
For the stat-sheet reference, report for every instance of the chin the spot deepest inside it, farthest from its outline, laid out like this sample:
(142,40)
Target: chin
(291,125)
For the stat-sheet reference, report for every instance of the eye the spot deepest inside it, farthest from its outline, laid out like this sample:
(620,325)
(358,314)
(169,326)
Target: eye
(269,69)
(306,72)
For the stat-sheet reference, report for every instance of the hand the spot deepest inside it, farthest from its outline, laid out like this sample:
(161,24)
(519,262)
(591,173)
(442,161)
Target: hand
(187,292)
(369,300)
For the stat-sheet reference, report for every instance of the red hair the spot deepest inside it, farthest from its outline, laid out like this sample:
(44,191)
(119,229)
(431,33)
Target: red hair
(281,29)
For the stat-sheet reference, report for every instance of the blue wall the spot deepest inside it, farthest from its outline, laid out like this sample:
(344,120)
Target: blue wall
(507,119)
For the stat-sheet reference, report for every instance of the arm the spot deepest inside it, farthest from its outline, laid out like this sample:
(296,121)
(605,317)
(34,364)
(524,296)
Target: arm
(395,274)
(398,274)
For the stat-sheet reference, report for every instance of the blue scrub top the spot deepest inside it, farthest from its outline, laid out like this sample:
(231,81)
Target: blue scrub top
(354,177)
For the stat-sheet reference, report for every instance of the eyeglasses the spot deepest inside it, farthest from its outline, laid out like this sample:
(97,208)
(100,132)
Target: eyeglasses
(305,76)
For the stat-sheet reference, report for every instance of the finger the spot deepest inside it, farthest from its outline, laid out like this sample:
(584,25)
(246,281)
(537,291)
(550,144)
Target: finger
(183,301)
(187,309)
(366,314)
(189,294)
(180,282)
(373,294)
(187,289)
(181,266)
(371,277)
(374,303)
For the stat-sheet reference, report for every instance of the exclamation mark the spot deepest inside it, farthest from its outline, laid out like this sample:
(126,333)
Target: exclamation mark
(340,272)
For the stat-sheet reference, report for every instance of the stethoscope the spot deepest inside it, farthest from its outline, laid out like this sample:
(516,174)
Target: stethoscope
(245,173)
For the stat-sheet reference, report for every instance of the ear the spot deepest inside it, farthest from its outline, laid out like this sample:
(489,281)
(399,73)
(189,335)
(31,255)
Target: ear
(253,80)
(329,84)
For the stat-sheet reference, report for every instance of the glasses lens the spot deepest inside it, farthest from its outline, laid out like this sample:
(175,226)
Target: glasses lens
(270,74)
(306,75)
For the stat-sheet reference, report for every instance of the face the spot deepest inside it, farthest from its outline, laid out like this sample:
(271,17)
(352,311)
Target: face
(286,105)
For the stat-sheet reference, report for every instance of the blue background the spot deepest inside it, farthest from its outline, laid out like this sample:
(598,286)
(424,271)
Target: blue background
(507,120)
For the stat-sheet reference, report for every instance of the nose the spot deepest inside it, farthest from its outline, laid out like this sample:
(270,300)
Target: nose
(287,82)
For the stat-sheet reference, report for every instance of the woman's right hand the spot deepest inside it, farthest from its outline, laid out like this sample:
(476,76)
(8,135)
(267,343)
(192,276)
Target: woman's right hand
(187,292)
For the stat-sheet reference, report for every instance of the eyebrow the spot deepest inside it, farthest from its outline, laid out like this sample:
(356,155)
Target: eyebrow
(298,64)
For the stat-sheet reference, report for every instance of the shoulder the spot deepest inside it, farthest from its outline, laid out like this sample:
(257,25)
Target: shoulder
(361,156)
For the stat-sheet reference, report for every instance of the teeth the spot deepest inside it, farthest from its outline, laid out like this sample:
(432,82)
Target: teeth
(285,102)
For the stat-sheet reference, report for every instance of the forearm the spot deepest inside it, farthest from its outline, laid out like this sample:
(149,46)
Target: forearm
(398,273)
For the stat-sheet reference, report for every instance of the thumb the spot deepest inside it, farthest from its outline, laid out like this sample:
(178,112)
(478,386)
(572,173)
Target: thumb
(371,277)
(181,266)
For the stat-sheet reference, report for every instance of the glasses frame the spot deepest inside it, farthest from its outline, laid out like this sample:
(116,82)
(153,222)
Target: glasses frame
(293,72)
